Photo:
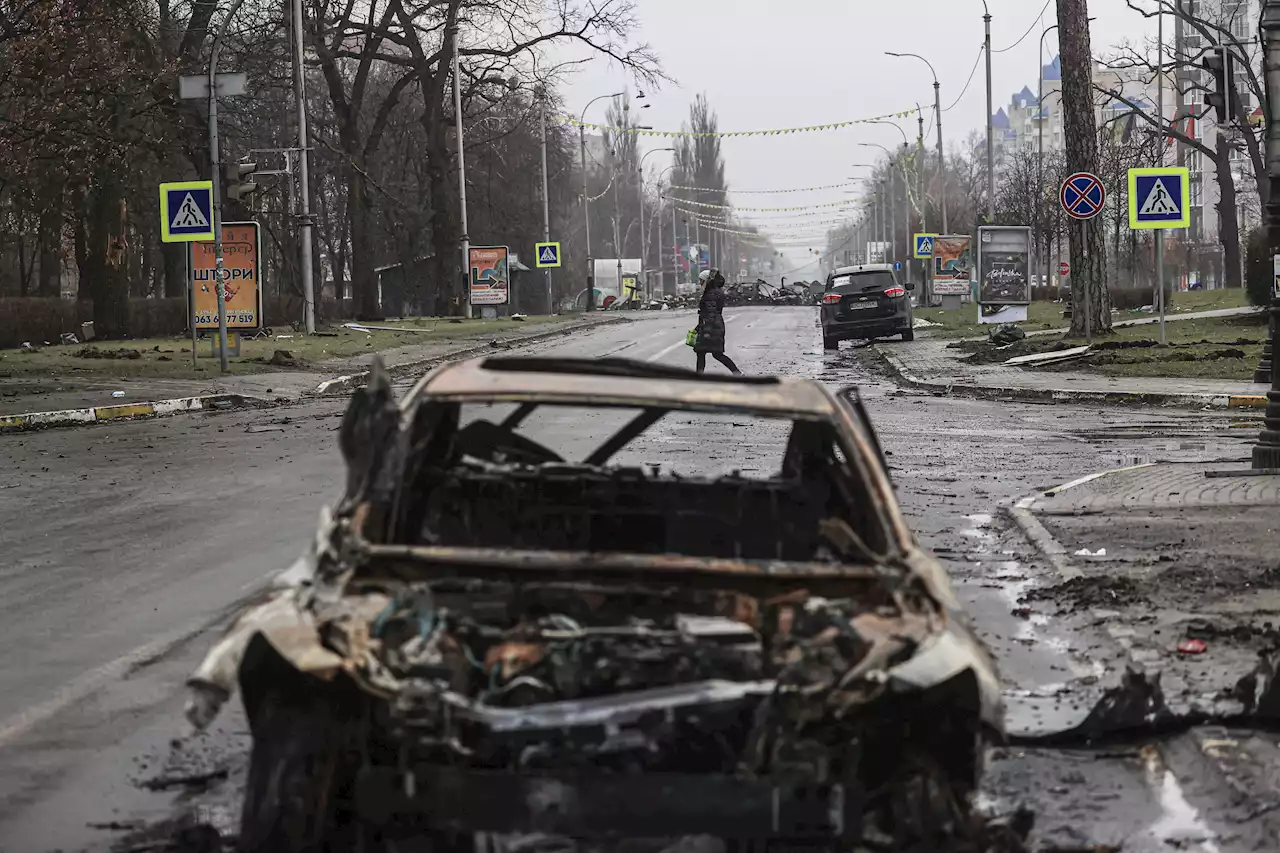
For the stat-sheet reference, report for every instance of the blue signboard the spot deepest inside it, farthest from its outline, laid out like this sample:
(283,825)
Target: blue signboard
(1158,198)
(186,211)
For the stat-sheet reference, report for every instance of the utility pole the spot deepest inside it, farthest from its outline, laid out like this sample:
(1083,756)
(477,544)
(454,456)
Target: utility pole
(586,219)
(1091,304)
(462,171)
(546,201)
(920,172)
(1040,153)
(617,226)
(675,242)
(215,162)
(1160,146)
(1266,453)
(304,175)
(991,151)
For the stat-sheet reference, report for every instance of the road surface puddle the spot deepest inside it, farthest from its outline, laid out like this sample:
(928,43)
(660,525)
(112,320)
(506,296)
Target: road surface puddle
(1180,825)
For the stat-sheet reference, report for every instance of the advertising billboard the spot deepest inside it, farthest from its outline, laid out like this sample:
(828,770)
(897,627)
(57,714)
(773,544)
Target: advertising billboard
(1004,280)
(242,288)
(490,275)
(952,264)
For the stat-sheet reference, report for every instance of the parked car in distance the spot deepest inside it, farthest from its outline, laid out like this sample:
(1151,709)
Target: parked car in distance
(865,301)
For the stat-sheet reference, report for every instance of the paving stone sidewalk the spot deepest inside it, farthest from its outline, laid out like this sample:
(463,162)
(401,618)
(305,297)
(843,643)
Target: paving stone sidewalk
(930,364)
(1166,485)
(1161,554)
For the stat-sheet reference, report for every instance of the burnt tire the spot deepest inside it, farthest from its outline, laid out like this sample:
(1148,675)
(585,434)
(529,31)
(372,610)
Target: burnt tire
(928,809)
(830,343)
(299,792)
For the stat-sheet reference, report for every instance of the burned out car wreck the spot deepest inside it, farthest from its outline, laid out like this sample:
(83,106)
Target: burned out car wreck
(490,640)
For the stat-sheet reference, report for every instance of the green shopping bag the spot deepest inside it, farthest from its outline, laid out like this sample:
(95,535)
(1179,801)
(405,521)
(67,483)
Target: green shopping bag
(691,338)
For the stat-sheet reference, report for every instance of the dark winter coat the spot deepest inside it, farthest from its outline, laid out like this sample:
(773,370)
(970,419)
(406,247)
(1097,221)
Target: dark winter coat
(711,321)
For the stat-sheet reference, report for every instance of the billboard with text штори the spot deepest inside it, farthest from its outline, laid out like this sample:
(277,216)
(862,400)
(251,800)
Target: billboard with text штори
(242,287)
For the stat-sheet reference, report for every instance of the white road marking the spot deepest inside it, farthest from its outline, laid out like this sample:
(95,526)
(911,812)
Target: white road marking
(659,355)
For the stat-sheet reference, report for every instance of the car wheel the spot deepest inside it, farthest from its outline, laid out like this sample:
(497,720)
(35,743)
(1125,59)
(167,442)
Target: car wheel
(927,807)
(830,343)
(909,335)
(299,793)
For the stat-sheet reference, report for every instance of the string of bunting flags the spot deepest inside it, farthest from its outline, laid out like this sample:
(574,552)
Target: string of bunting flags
(839,125)
(841,203)
(796,215)
(766,192)
(747,223)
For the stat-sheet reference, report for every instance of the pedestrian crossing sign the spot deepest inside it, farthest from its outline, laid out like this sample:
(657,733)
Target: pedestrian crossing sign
(547,255)
(1158,198)
(924,246)
(186,212)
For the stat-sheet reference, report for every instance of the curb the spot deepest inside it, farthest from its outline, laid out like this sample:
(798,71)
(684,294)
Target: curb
(126,411)
(160,408)
(340,384)
(1039,536)
(1123,398)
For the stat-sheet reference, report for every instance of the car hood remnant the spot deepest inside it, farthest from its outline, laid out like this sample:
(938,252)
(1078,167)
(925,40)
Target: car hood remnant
(495,639)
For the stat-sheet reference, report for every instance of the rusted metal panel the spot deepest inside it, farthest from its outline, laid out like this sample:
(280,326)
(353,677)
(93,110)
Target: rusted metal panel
(469,380)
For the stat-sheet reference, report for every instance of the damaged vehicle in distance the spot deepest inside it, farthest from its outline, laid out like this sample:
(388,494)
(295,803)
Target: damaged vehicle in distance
(492,638)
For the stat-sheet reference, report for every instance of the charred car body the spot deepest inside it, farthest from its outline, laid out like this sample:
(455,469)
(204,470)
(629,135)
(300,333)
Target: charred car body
(487,638)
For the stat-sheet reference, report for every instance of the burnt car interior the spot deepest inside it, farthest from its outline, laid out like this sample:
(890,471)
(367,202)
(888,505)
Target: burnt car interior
(487,485)
(591,650)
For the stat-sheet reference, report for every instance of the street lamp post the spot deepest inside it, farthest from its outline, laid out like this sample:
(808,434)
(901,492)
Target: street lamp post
(1040,153)
(586,211)
(214,202)
(462,171)
(937,116)
(546,201)
(991,152)
(304,174)
(648,288)
(893,201)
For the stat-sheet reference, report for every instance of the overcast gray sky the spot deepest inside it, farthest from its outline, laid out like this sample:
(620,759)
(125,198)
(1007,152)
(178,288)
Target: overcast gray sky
(786,63)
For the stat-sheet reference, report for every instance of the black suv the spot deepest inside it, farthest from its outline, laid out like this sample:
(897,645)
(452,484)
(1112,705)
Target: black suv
(865,301)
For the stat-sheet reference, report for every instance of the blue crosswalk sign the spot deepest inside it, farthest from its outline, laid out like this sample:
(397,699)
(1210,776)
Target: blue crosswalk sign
(186,211)
(1158,198)
(547,255)
(924,246)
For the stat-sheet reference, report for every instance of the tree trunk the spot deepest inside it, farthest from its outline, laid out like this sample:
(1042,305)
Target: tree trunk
(50,280)
(107,273)
(1228,222)
(174,257)
(443,220)
(363,280)
(1088,245)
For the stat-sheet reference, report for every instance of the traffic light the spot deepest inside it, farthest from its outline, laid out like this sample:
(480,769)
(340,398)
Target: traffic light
(239,185)
(1219,89)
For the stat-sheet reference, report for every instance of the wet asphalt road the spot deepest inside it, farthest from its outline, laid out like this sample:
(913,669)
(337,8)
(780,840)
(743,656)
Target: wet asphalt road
(127,544)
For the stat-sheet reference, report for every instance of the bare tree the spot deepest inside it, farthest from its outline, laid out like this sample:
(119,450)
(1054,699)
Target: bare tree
(1091,303)
(1216,28)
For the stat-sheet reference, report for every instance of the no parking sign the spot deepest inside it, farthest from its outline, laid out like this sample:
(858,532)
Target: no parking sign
(1083,195)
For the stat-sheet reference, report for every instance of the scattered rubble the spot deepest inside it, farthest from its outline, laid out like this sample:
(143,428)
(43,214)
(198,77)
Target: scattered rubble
(98,352)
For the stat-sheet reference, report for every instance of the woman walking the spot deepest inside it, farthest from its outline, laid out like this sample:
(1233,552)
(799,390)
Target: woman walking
(710,328)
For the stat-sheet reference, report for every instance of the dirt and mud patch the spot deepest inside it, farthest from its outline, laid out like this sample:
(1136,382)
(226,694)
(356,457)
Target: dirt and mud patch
(1087,593)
